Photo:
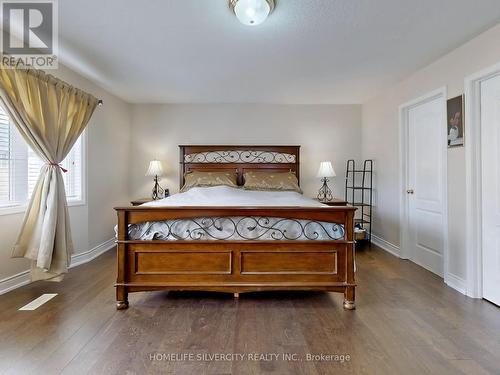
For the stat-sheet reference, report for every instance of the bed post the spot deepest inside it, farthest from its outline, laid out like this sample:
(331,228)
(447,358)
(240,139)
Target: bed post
(182,153)
(349,293)
(121,256)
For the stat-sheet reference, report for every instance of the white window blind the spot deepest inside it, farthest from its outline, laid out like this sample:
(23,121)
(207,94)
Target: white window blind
(4,157)
(20,167)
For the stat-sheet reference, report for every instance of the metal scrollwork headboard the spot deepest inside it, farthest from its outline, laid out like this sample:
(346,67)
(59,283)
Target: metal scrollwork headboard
(241,158)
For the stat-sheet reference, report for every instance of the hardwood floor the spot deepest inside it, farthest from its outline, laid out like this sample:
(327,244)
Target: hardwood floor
(407,321)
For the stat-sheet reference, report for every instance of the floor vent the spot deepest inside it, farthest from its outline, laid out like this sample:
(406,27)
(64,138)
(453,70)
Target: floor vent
(36,303)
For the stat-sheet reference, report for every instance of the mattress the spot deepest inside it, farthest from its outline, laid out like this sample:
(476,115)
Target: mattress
(238,227)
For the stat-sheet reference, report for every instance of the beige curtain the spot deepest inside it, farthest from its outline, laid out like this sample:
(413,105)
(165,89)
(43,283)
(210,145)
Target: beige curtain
(50,115)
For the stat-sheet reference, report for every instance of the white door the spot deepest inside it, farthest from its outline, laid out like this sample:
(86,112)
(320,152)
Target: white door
(426,184)
(490,156)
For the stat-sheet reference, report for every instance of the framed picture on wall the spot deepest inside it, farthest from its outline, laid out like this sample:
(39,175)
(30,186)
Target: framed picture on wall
(455,110)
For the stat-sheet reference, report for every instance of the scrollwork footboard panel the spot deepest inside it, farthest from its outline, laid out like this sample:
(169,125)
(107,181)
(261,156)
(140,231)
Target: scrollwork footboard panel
(240,228)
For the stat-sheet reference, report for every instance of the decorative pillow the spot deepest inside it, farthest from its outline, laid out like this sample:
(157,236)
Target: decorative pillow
(278,181)
(198,178)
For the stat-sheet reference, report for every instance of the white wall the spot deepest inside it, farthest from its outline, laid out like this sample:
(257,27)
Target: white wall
(108,138)
(325,132)
(381,139)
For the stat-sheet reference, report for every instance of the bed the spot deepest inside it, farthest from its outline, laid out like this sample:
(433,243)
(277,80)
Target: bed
(231,240)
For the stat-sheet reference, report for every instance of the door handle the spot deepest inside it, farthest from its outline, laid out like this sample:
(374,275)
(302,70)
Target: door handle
(410,191)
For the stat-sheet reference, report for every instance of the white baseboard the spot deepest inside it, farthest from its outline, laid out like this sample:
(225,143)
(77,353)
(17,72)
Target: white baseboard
(386,245)
(23,278)
(15,281)
(456,283)
(81,258)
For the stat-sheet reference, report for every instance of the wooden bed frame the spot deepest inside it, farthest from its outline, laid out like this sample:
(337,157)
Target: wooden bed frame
(236,266)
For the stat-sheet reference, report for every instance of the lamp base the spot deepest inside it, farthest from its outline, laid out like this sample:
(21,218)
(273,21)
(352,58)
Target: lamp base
(324,193)
(157,192)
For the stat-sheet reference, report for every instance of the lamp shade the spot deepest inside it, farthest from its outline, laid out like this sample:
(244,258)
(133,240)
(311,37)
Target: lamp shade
(326,170)
(155,168)
(252,12)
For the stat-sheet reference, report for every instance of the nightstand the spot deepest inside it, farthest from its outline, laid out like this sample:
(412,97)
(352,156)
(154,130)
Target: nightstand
(333,202)
(138,202)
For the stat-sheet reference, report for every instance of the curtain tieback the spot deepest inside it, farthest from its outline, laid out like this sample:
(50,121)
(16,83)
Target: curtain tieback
(58,165)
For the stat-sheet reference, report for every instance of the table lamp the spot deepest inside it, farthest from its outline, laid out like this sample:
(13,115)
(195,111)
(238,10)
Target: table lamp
(325,170)
(155,169)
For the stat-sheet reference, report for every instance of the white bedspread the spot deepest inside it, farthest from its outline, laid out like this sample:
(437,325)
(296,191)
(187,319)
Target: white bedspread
(235,228)
(228,196)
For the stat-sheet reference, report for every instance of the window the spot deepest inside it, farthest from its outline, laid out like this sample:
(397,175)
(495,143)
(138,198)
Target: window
(20,167)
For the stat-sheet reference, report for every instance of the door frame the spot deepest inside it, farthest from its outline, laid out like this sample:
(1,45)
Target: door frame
(440,94)
(473,180)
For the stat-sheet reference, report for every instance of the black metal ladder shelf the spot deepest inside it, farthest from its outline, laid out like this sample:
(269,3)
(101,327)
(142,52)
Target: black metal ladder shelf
(360,194)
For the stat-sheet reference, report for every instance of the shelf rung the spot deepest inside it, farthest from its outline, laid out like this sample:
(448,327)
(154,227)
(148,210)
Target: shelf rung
(362,221)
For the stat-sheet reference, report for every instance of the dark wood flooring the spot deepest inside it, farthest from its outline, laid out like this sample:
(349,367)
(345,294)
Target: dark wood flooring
(407,322)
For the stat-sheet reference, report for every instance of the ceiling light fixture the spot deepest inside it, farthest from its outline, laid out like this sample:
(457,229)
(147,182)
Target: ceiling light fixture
(252,12)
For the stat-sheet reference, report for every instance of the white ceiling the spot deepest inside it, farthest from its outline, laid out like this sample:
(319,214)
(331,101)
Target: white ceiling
(308,51)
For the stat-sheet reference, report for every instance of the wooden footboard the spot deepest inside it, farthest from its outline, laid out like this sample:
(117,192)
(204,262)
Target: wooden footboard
(235,266)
